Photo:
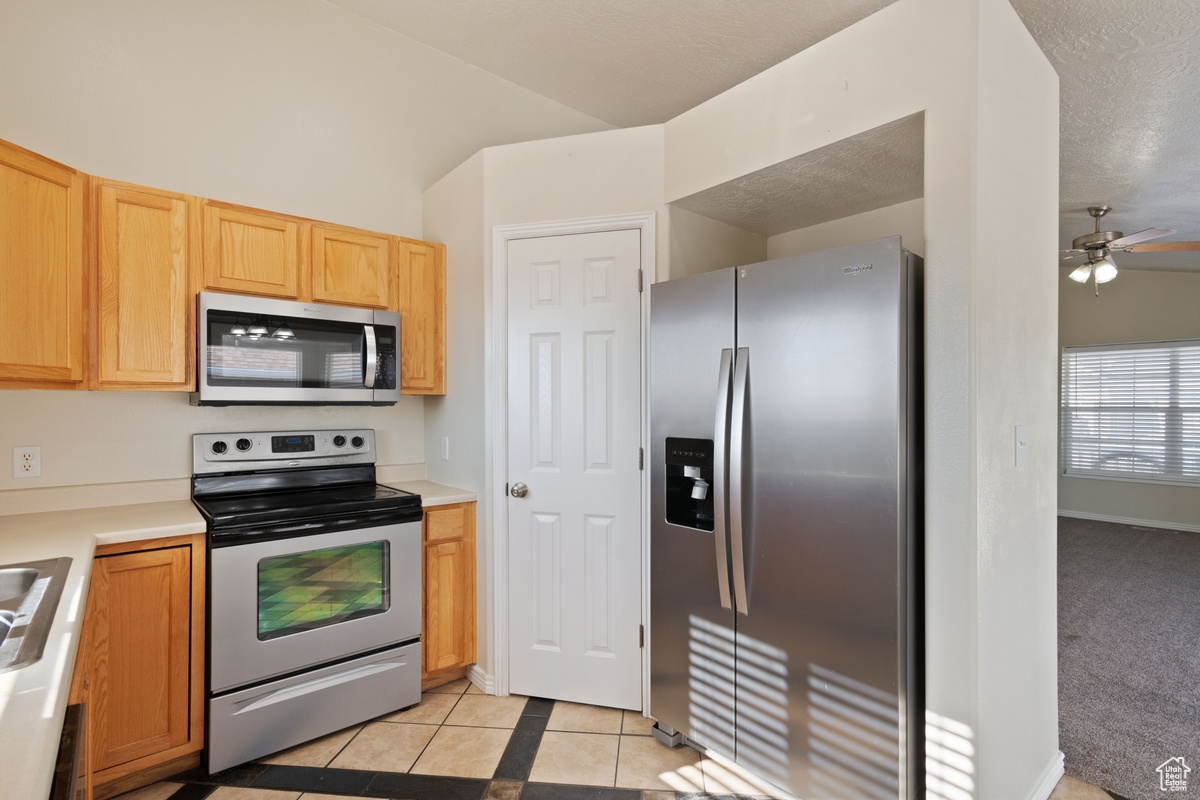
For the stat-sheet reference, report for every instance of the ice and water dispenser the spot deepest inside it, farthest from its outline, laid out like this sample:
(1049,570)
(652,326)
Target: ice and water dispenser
(690,483)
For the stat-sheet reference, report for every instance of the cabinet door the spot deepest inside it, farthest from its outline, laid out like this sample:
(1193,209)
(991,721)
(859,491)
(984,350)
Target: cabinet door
(449,639)
(143,299)
(421,281)
(41,269)
(140,651)
(351,268)
(251,252)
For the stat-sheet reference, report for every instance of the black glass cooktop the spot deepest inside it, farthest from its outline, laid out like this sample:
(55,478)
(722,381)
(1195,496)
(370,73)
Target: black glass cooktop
(239,510)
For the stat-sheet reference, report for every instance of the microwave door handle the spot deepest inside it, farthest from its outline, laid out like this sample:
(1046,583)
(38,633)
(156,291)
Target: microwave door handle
(372,357)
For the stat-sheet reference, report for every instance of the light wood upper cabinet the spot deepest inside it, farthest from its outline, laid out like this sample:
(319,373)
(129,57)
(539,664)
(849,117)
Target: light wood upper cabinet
(351,268)
(421,299)
(144,297)
(251,252)
(448,638)
(41,271)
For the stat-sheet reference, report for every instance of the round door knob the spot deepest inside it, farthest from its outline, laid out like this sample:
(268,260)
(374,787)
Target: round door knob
(519,490)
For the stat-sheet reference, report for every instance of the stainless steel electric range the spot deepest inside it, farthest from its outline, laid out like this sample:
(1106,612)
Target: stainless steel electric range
(314,588)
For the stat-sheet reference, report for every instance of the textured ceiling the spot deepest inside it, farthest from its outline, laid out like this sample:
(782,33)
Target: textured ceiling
(1129,93)
(1129,73)
(878,168)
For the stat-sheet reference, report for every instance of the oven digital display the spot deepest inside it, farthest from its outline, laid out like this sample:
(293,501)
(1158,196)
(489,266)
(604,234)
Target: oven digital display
(293,444)
(318,588)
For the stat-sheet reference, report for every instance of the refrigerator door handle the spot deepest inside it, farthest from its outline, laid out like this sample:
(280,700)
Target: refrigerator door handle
(720,449)
(736,449)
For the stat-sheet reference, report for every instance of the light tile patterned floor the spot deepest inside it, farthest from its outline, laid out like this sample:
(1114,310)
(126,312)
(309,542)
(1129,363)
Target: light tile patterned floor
(459,742)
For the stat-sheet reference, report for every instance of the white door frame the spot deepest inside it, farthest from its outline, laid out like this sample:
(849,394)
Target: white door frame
(501,235)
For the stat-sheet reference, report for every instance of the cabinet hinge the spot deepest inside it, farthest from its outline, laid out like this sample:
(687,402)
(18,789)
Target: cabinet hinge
(506,490)
(639,280)
(641,458)
(641,635)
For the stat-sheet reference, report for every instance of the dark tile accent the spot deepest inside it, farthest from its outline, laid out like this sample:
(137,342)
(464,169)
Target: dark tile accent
(241,775)
(314,779)
(518,756)
(532,724)
(538,707)
(558,791)
(503,790)
(193,791)
(399,786)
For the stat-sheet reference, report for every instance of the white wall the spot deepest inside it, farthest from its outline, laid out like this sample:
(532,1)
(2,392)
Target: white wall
(905,219)
(699,244)
(292,105)
(1139,306)
(1015,367)
(119,437)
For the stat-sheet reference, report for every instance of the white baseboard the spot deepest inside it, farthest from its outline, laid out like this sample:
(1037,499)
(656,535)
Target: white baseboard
(1149,523)
(1053,775)
(487,683)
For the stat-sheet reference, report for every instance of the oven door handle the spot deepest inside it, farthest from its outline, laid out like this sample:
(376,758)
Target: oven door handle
(319,684)
(371,360)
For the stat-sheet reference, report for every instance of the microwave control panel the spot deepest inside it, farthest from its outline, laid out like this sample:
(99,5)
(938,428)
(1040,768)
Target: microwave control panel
(385,369)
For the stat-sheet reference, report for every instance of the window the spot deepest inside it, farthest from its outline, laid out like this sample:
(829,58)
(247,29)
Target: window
(1132,412)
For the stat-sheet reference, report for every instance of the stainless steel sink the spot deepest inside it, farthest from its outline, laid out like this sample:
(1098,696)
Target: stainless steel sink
(29,595)
(15,581)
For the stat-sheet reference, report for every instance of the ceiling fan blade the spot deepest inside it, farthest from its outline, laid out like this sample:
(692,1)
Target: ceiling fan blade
(1140,236)
(1069,256)
(1166,247)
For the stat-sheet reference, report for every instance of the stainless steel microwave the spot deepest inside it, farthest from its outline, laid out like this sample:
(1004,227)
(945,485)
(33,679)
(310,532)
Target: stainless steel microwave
(259,351)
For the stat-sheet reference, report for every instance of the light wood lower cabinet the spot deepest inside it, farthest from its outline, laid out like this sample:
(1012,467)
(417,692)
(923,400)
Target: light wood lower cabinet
(140,668)
(448,640)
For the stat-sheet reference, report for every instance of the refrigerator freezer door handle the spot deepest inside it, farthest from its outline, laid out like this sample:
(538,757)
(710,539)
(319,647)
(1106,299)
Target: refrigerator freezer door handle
(720,448)
(736,449)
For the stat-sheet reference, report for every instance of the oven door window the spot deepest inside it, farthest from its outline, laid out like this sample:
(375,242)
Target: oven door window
(318,588)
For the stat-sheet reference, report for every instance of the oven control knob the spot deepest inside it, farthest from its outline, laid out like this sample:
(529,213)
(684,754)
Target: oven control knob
(244,444)
(339,441)
(357,441)
(219,447)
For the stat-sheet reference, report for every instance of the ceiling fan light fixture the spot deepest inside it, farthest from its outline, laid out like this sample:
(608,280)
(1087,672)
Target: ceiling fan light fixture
(1106,270)
(1081,273)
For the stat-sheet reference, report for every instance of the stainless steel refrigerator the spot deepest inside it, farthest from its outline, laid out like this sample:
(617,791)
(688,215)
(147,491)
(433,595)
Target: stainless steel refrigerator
(785,421)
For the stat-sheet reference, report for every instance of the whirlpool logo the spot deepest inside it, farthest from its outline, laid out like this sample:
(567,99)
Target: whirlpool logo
(857,269)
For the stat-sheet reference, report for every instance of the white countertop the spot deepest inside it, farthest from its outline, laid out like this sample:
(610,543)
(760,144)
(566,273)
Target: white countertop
(434,494)
(33,698)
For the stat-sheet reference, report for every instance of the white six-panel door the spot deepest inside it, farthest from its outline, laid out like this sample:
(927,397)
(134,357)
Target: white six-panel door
(574,384)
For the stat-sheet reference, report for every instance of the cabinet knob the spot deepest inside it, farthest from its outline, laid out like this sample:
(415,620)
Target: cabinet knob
(519,490)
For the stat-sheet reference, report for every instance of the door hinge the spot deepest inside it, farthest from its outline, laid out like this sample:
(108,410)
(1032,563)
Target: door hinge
(641,635)
(641,458)
(639,280)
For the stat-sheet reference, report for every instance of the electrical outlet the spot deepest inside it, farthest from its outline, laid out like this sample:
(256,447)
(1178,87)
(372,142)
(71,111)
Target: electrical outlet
(445,448)
(27,462)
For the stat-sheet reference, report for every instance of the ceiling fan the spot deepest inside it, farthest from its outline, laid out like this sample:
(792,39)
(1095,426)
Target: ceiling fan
(1098,248)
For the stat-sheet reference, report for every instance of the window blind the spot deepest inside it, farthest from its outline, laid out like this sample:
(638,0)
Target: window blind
(1132,412)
